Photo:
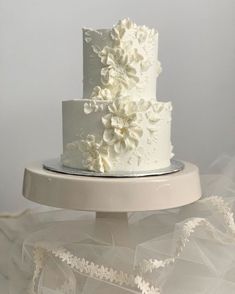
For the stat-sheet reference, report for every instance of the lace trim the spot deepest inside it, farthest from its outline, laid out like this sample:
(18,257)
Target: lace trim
(90,269)
(223,208)
(148,265)
(120,278)
(39,260)
(188,229)
(145,286)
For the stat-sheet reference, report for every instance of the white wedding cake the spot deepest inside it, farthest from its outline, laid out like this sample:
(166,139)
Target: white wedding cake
(119,125)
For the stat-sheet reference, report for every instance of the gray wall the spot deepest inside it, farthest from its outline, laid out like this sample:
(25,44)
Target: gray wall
(41,64)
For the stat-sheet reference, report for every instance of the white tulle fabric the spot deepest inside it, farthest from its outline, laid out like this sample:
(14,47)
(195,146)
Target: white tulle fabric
(184,250)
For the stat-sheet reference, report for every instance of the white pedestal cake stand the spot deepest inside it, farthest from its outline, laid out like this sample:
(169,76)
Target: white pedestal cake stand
(112,197)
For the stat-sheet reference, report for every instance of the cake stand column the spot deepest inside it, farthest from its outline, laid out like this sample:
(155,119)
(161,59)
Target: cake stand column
(118,222)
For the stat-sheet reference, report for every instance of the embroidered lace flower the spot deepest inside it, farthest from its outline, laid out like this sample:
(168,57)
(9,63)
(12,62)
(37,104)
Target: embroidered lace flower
(121,125)
(95,154)
(145,286)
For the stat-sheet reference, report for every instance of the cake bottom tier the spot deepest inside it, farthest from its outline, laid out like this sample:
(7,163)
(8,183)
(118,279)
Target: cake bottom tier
(120,135)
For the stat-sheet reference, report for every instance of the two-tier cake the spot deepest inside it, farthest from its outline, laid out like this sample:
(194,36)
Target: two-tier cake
(119,125)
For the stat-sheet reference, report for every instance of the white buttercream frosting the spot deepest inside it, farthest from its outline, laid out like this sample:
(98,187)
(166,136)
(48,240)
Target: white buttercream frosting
(118,137)
(120,61)
(122,130)
(119,125)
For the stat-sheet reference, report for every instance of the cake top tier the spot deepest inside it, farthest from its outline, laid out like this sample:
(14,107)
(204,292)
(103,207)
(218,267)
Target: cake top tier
(122,61)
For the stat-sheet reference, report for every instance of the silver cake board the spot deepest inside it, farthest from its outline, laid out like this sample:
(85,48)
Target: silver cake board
(55,165)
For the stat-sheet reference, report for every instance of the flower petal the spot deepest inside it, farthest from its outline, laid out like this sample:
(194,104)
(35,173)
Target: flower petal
(118,134)
(135,133)
(143,105)
(88,108)
(108,136)
(117,122)
(106,120)
(118,147)
(90,138)
(106,164)
(112,107)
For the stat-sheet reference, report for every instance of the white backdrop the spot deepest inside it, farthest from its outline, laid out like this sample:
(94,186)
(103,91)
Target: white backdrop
(41,64)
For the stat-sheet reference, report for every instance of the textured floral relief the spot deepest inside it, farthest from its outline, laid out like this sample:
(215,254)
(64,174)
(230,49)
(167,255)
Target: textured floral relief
(155,110)
(95,154)
(135,157)
(158,68)
(119,71)
(70,149)
(122,129)
(126,32)
(168,108)
(127,60)
(119,30)
(137,40)
(143,105)
(101,94)
(87,36)
(153,135)
(93,106)
(153,113)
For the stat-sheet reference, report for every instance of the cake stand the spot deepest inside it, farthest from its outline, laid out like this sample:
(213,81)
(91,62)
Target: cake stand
(112,198)
(111,195)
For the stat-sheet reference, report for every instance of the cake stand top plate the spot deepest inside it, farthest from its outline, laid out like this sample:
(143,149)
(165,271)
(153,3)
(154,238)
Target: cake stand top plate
(111,194)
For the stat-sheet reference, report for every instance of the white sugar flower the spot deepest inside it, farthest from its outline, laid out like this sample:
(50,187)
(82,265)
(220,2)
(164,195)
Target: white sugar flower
(121,29)
(121,125)
(138,41)
(101,94)
(125,32)
(95,154)
(126,60)
(92,106)
(145,34)
(119,70)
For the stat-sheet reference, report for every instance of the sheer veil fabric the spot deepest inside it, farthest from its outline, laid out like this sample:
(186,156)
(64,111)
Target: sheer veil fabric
(185,250)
